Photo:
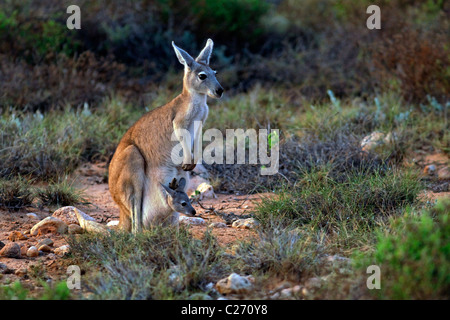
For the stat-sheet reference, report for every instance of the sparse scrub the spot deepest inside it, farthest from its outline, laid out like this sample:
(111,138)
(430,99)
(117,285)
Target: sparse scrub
(161,263)
(47,146)
(349,207)
(282,252)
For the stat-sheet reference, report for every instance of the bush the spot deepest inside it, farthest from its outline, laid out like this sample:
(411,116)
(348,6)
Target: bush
(414,256)
(15,194)
(60,194)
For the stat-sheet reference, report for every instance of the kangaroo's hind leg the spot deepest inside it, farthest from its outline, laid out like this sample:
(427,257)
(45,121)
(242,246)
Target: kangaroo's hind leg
(127,176)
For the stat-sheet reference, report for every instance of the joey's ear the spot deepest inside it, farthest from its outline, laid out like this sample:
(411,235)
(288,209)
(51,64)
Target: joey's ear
(204,56)
(184,57)
(169,191)
(181,184)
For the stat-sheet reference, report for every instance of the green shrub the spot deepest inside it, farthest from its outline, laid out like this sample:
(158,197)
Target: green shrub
(414,256)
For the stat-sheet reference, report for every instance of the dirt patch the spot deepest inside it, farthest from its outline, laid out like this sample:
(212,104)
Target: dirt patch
(90,177)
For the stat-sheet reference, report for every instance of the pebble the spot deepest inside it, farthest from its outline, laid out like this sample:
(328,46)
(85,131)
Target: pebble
(58,224)
(45,248)
(46,241)
(443,173)
(16,236)
(32,216)
(249,223)
(69,215)
(32,252)
(235,284)
(62,250)
(10,250)
(218,225)
(192,220)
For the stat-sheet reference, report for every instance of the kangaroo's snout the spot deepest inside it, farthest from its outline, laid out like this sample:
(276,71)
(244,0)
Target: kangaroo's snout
(219,92)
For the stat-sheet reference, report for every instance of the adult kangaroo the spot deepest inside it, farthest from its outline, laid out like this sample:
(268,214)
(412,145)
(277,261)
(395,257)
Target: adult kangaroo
(141,167)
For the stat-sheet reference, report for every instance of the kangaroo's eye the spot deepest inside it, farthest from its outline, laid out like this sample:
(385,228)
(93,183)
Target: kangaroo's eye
(202,76)
(184,204)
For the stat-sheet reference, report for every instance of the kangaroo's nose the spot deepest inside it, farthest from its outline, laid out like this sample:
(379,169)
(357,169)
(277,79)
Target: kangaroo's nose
(219,92)
(193,212)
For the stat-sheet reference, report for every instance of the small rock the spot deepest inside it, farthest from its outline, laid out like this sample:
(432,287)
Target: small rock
(113,223)
(376,141)
(45,248)
(430,169)
(191,220)
(234,284)
(218,225)
(32,216)
(313,283)
(32,252)
(249,223)
(59,225)
(92,226)
(290,292)
(5,270)
(193,184)
(46,241)
(75,229)
(69,215)
(11,250)
(16,236)
(23,249)
(443,173)
(21,272)
(65,249)
(206,191)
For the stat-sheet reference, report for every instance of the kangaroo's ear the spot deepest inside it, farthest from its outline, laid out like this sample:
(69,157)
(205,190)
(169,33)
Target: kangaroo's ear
(181,184)
(184,57)
(204,56)
(169,191)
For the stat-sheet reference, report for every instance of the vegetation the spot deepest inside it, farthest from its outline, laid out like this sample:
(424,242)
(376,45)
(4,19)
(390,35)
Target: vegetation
(68,96)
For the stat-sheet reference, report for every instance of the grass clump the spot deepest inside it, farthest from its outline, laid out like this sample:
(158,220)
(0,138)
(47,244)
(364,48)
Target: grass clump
(15,194)
(61,193)
(283,252)
(414,256)
(349,205)
(160,263)
(16,291)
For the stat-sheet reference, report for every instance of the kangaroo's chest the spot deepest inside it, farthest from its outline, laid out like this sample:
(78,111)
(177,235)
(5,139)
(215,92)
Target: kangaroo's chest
(196,112)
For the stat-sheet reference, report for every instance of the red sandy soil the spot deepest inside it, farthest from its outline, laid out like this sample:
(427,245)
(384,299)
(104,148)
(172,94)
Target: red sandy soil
(103,209)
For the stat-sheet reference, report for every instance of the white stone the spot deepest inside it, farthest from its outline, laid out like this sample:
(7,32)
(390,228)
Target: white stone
(192,220)
(113,223)
(235,284)
(69,215)
(58,224)
(249,223)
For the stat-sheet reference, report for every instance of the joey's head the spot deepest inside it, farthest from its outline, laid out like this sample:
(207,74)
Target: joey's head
(198,76)
(177,199)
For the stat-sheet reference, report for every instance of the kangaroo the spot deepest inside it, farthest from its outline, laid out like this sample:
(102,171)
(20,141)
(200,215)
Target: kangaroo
(178,200)
(141,166)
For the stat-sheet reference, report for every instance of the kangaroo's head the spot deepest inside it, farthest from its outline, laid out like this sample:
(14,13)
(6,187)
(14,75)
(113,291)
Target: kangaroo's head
(177,199)
(198,76)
